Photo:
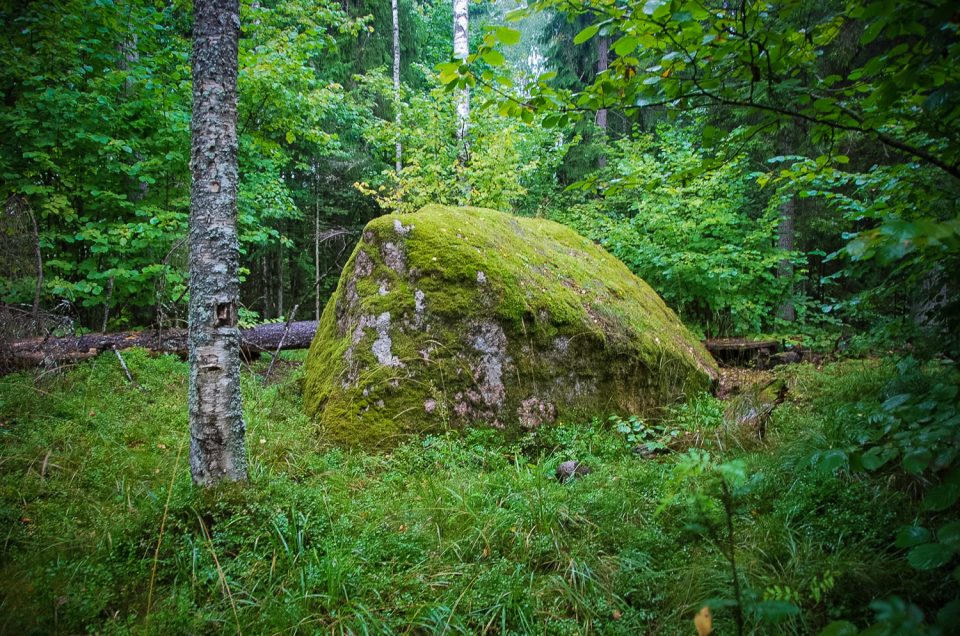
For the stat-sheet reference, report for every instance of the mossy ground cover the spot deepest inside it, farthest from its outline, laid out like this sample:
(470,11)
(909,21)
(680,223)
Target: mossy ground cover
(458,533)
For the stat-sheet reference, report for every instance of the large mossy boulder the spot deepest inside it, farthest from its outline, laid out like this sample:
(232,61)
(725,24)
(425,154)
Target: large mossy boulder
(458,316)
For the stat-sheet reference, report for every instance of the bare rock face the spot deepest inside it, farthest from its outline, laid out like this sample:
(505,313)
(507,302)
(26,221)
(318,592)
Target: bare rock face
(453,317)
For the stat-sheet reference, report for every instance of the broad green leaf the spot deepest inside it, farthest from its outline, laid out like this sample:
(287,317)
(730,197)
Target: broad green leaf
(507,35)
(517,14)
(872,31)
(550,121)
(909,536)
(625,45)
(942,496)
(839,628)
(950,535)
(878,456)
(949,616)
(830,461)
(712,134)
(930,556)
(915,462)
(895,401)
(652,6)
(586,34)
(494,57)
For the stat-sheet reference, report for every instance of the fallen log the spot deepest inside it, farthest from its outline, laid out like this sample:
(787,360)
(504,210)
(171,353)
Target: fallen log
(739,344)
(35,352)
(740,351)
(759,354)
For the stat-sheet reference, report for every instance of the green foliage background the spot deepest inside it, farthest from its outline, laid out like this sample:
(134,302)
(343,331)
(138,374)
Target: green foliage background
(845,112)
(725,120)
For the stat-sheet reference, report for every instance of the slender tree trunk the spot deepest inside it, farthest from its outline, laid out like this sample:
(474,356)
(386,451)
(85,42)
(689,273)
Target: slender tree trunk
(129,61)
(316,258)
(264,287)
(216,415)
(785,231)
(280,280)
(38,259)
(603,61)
(396,82)
(108,297)
(461,50)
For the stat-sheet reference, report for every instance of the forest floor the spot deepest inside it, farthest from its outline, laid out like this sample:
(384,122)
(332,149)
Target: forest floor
(456,533)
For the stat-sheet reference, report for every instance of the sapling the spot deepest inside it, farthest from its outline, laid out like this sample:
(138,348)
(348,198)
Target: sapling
(708,491)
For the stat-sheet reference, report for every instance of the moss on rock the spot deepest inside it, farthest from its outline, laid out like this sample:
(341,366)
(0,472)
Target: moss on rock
(458,316)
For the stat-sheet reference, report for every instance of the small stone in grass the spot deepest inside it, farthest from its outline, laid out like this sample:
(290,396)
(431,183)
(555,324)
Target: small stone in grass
(570,469)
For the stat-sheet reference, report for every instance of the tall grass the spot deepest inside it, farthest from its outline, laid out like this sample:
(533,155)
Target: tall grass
(463,533)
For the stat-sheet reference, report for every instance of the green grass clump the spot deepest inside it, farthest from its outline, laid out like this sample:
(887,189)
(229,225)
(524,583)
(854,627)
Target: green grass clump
(454,533)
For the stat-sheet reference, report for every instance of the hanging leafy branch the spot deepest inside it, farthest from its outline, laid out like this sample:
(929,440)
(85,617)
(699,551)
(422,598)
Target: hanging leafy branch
(768,59)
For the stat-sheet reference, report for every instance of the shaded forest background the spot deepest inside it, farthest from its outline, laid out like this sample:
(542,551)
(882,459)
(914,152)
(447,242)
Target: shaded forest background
(746,224)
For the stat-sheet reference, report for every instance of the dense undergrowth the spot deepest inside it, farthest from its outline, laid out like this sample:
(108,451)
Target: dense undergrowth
(459,533)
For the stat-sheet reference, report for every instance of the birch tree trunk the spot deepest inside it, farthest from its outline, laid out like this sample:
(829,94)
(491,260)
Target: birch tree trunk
(396,81)
(461,50)
(216,416)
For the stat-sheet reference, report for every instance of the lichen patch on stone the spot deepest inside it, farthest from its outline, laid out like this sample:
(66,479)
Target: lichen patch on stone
(534,413)
(394,258)
(383,346)
(400,228)
(488,339)
(363,266)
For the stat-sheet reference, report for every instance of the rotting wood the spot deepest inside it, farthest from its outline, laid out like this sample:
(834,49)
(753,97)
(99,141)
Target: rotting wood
(757,354)
(740,351)
(35,352)
(740,344)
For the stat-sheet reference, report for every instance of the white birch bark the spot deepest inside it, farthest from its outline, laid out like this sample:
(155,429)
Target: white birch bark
(216,416)
(461,50)
(396,81)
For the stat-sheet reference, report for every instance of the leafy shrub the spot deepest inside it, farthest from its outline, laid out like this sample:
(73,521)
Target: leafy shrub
(704,243)
(505,158)
(702,411)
